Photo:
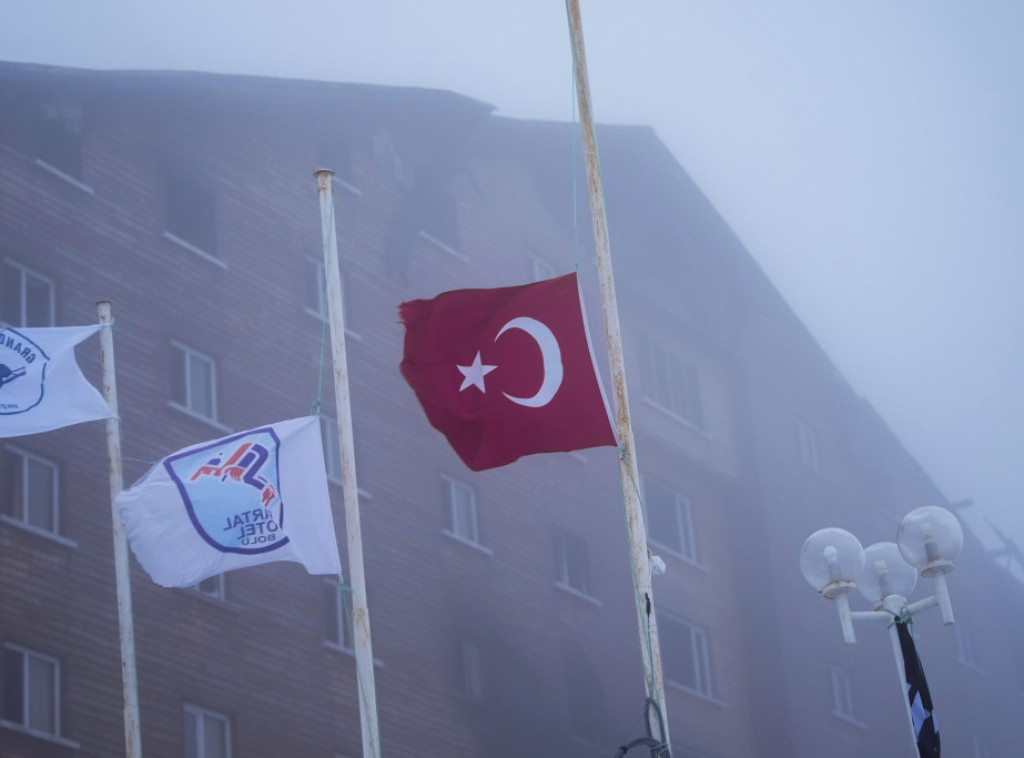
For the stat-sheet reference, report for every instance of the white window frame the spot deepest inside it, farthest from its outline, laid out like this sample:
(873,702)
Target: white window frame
(699,649)
(965,646)
(216,587)
(842,695)
(200,714)
(467,528)
(24,274)
(683,518)
(28,655)
(22,518)
(342,619)
(189,355)
(565,572)
(672,384)
(807,445)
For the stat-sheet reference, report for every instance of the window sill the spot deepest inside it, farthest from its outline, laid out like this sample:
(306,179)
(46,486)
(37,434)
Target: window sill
(194,250)
(443,247)
(322,318)
(468,543)
(198,417)
(347,186)
(576,593)
(24,526)
(666,552)
(336,481)
(696,693)
(51,169)
(849,720)
(347,651)
(675,416)
(56,739)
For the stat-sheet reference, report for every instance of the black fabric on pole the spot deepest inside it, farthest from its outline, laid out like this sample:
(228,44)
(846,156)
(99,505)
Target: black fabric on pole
(926,730)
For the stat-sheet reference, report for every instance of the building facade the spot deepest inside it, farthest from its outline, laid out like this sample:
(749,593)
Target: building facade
(501,602)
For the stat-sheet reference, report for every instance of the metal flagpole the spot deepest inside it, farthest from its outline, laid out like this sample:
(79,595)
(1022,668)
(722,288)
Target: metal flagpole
(129,676)
(650,648)
(360,613)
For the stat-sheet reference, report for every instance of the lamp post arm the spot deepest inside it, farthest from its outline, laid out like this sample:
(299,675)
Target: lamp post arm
(871,616)
(942,595)
(922,605)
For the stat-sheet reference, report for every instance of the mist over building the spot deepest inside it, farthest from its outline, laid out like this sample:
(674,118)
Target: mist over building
(501,602)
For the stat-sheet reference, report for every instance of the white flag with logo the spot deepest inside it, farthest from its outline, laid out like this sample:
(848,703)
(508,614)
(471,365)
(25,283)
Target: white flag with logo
(245,499)
(41,386)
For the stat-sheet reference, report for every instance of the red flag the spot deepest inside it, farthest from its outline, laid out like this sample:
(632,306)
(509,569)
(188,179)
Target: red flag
(506,372)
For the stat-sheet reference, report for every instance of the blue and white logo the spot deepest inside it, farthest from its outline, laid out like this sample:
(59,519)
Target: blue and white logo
(232,493)
(22,373)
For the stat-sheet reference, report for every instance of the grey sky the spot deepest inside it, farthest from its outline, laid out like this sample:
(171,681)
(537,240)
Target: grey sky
(867,153)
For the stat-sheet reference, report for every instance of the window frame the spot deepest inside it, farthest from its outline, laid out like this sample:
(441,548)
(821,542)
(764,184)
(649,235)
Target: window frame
(672,384)
(564,557)
(28,654)
(23,274)
(188,354)
(219,592)
(453,526)
(808,449)
(471,670)
(191,228)
(842,695)
(340,633)
(200,713)
(700,652)
(22,519)
(683,511)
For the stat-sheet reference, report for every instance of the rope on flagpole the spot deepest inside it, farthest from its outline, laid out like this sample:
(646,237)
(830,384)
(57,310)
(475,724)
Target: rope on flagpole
(314,407)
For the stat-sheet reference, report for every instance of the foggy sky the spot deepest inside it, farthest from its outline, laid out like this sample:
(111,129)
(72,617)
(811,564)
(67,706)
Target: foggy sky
(867,153)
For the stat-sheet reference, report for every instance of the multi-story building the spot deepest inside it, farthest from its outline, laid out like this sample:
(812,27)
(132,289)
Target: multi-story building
(501,602)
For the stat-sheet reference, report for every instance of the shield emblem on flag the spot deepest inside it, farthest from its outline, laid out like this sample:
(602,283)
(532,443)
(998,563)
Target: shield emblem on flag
(22,373)
(232,493)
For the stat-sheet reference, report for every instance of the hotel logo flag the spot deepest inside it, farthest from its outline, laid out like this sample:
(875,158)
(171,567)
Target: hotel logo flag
(506,372)
(926,729)
(245,499)
(41,386)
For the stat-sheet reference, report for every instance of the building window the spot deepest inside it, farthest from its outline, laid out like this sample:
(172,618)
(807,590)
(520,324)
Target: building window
(316,288)
(573,562)
(339,618)
(31,690)
(58,138)
(30,489)
(470,670)
(194,382)
(207,734)
(332,447)
(588,710)
(671,384)
(460,519)
(669,521)
(191,215)
(981,747)
(965,646)
(213,586)
(807,440)
(842,696)
(684,655)
(27,298)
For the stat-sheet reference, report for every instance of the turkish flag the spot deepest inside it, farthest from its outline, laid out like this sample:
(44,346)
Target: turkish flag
(506,372)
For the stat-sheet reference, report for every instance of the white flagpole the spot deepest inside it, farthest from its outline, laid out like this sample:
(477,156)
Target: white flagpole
(129,676)
(650,648)
(360,613)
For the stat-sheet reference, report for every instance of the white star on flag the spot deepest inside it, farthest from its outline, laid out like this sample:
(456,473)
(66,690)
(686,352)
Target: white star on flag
(475,373)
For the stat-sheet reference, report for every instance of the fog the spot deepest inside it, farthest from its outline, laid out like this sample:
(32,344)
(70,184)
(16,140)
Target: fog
(866,154)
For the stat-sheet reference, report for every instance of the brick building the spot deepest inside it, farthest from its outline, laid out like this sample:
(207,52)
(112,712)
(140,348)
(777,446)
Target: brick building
(501,602)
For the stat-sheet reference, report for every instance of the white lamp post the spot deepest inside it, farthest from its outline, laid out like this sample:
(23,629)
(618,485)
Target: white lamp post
(833,562)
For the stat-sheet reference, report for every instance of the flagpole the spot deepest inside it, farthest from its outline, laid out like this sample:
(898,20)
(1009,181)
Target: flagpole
(628,473)
(360,613)
(129,675)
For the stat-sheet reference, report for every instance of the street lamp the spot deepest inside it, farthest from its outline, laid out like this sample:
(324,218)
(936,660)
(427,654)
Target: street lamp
(928,542)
